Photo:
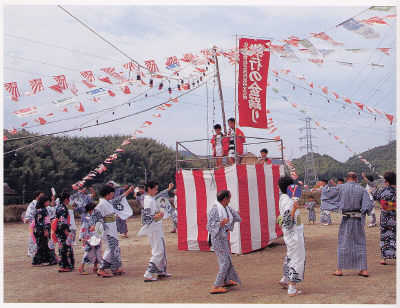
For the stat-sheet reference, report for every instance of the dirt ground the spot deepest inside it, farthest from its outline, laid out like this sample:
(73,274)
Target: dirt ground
(193,273)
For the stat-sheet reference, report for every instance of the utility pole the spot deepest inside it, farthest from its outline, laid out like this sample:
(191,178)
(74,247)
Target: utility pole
(220,90)
(310,176)
(145,175)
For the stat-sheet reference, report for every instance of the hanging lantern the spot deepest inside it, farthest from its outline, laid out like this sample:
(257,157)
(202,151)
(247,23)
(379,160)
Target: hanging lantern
(310,93)
(97,122)
(208,62)
(201,78)
(198,81)
(145,95)
(137,77)
(188,85)
(177,73)
(328,101)
(294,88)
(193,83)
(129,104)
(204,74)
(359,113)
(182,81)
(276,79)
(206,68)
(160,86)
(113,113)
(375,118)
(344,107)
(169,90)
(151,83)
(179,87)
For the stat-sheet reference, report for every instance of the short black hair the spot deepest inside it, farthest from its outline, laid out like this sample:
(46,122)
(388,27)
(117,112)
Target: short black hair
(37,193)
(324,180)
(311,196)
(217,126)
(150,185)
(106,189)
(231,120)
(340,180)
(41,201)
(222,194)
(390,177)
(370,177)
(64,195)
(90,206)
(141,186)
(264,151)
(284,182)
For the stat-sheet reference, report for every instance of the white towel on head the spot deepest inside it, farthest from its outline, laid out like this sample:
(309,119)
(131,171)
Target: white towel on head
(222,211)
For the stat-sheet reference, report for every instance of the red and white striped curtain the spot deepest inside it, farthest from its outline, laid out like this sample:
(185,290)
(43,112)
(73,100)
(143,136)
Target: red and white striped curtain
(255,194)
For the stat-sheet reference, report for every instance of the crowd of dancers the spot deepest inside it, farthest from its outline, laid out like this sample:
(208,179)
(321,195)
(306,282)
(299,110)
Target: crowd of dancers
(52,222)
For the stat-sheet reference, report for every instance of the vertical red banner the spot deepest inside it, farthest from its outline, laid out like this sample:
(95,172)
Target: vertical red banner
(252,86)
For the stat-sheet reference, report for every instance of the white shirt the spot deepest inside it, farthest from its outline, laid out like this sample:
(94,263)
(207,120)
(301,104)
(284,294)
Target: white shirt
(105,207)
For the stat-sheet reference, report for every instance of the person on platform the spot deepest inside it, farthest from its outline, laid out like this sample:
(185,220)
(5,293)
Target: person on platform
(370,187)
(221,220)
(293,235)
(387,198)
(64,235)
(264,159)
(354,203)
(240,139)
(310,206)
(92,252)
(325,218)
(105,213)
(152,227)
(220,145)
(29,217)
(41,231)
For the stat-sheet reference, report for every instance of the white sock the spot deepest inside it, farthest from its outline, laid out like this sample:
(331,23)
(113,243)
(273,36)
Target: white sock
(292,289)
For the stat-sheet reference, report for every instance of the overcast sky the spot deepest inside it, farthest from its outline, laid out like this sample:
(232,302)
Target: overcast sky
(43,41)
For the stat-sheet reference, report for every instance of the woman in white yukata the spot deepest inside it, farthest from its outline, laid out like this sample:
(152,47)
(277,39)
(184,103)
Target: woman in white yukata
(293,266)
(106,213)
(152,227)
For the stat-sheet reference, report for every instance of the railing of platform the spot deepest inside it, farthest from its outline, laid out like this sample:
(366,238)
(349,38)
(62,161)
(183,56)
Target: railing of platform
(198,161)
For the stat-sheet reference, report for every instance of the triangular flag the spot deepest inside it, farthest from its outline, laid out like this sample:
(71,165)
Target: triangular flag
(111,93)
(125,142)
(106,79)
(359,105)
(65,110)
(390,117)
(324,89)
(80,108)
(41,121)
(126,90)
(157,115)
(57,88)
(89,85)
(336,95)
(24,124)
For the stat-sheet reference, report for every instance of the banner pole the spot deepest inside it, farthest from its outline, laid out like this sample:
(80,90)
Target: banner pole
(220,90)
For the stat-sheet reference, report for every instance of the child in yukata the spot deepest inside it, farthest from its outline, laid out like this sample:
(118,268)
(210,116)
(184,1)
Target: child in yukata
(310,205)
(220,145)
(92,253)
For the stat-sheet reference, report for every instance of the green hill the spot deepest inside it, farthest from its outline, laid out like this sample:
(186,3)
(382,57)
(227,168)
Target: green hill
(61,161)
(382,158)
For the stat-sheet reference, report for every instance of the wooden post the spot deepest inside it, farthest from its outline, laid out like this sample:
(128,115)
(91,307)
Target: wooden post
(220,91)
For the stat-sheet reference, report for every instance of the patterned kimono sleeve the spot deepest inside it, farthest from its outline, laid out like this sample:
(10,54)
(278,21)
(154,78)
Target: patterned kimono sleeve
(236,218)
(161,194)
(287,220)
(367,204)
(147,216)
(213,222)
(84,234)
(329,192)
(30,212)
(62,215)
(377,193)
(95,218)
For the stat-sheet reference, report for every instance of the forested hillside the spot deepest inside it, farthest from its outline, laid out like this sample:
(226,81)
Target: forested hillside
(382,158)
(61,161)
